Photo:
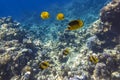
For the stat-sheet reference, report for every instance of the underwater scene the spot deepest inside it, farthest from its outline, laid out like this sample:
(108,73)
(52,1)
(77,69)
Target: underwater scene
(60,40)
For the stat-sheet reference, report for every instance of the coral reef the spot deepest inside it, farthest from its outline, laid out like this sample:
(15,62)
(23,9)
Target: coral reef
(101,72)
(14,55)
(110,19)
(106,33)
(21,51)
(9,30)
(107,67)
(110,14)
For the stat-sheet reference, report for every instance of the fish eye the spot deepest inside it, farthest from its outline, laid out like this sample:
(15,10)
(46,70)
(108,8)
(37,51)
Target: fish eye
(68,28)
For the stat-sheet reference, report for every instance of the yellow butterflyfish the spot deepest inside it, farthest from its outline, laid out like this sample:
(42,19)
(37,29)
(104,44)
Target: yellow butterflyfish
(45,15)
(60,16)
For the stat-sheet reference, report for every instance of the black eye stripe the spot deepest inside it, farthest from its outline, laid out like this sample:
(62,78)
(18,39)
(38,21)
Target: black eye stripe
(44,64)
(65,53)
(73,22)
(93,58)
(68,27)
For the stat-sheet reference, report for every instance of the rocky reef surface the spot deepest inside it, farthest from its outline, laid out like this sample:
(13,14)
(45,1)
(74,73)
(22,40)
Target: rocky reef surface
(110,16)
(21,53)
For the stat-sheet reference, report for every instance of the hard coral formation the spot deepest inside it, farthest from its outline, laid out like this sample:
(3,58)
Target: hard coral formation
(106,37)
(111,14)
(5,58)
(101,72)
(14,55)
(107,67)
(94,44)
(109,30)
(10,30)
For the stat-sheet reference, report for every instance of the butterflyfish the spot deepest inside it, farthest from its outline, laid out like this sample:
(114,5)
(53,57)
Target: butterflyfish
(60,16)
(45,15)
(75,24)
(44,65)
(94,59)
(66,51)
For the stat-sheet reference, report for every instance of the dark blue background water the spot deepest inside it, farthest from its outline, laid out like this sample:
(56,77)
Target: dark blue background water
(16,8)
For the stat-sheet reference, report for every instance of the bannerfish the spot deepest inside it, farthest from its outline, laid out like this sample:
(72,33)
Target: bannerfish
(94,59)
(44,65)
(75,24)
(66,51)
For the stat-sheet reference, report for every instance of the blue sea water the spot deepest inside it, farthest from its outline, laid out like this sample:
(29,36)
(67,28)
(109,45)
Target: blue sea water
(16,8)
(28,13)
